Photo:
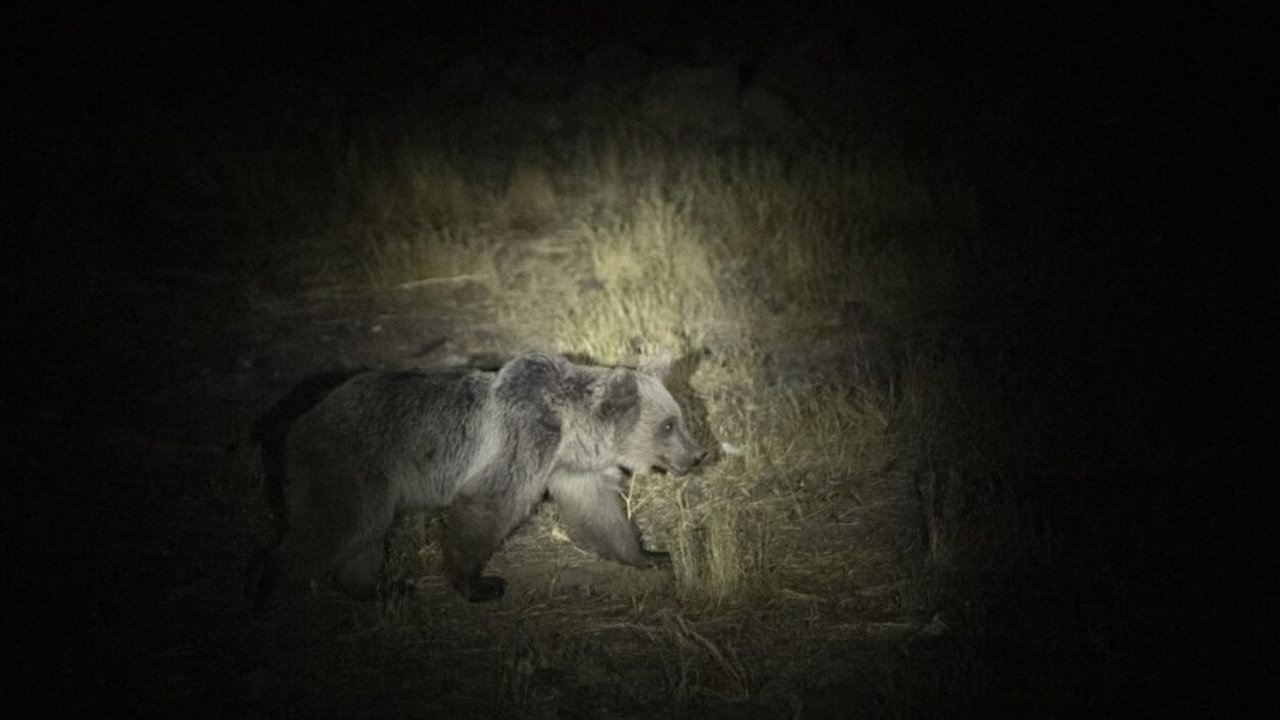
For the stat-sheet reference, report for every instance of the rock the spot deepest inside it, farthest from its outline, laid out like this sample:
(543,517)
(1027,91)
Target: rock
(611,71)
(695,103)
(464,81)
(767,109)
(817,75)
(616,62)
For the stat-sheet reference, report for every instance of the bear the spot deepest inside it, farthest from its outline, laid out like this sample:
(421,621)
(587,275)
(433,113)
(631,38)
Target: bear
(488,446)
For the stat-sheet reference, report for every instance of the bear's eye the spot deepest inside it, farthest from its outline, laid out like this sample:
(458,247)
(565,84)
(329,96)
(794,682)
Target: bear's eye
(668,426)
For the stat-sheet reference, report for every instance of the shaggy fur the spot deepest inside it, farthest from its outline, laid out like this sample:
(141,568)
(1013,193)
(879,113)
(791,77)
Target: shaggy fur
(489,446)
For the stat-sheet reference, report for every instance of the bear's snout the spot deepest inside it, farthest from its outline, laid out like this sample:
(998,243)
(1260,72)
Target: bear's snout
(690,460)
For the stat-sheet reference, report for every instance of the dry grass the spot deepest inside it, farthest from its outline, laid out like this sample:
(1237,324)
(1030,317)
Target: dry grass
(828,481)
(693,663)
(530,200)
(425,257)
(721,258)
(738,254)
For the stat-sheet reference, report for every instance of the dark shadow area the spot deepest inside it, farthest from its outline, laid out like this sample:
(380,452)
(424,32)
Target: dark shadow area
(271,430)
(159,226)
(678,381)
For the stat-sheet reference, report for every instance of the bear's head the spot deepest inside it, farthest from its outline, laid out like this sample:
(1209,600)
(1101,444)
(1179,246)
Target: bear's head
(651,431)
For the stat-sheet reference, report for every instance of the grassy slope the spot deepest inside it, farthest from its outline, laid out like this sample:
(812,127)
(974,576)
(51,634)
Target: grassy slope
(835,333)
(814,298)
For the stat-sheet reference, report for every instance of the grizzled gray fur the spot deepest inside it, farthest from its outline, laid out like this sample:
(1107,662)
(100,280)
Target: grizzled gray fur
(489,446)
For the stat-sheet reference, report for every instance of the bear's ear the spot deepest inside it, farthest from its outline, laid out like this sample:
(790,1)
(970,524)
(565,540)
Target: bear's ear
(619,393)
(657,365)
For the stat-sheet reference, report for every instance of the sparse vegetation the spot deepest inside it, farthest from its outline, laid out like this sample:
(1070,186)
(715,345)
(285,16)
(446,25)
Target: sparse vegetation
(971,453)
(810,294)
(857,460)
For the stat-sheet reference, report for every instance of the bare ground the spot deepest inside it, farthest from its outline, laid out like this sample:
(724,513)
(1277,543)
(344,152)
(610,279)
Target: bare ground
(135,499)
(157,427)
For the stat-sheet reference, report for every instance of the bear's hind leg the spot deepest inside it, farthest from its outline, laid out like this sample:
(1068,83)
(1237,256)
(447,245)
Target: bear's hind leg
(304,555)
(362,562)
(476,528)
(361,571)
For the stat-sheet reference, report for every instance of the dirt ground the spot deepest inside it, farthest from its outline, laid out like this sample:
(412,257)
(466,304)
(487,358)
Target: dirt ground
(169,507)
(146,349)
(142,504)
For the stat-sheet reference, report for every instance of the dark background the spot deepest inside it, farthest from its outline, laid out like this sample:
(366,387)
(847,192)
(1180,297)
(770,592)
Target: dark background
(1137,131)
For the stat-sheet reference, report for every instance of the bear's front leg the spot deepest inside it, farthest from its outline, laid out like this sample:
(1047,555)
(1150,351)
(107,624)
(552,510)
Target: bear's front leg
(594,513)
